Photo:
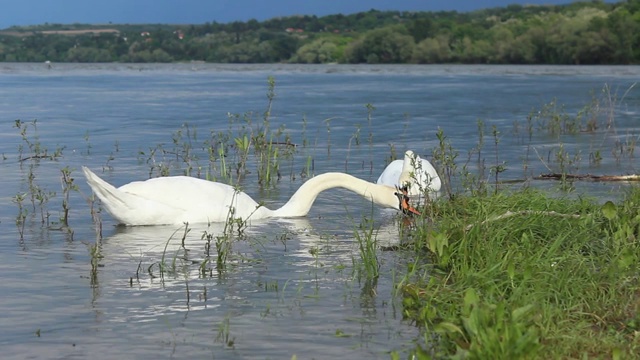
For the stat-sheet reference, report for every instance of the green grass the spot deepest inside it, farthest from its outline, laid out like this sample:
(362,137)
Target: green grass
(555,278)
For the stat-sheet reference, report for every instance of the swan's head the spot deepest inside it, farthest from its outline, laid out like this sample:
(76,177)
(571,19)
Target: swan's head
(403,197)
(408,176)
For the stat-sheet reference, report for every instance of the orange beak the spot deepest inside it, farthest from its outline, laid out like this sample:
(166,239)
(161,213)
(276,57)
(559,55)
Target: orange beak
(406,208)
(403,196)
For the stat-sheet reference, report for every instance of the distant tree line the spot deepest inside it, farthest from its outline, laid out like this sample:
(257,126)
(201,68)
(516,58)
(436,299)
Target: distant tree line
(592,32)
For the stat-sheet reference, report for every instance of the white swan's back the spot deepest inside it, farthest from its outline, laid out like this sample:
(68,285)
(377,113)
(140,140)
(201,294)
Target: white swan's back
(173,200)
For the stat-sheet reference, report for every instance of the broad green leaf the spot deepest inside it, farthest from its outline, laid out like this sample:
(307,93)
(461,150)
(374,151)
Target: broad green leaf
(448,327)
(609,210)
(519,312)
(471,299)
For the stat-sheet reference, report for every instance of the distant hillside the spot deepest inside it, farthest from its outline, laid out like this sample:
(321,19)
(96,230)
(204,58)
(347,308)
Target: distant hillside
(578,33)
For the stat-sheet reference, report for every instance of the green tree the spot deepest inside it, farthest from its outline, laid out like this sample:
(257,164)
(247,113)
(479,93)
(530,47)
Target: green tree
(420,29)
(474,52)
(88,54)
(509,49)
(247,52)
(625,34)
(386,45)
(316,52)
(433,50)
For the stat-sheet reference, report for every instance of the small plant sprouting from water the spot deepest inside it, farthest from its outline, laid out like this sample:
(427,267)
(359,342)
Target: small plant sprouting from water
(499,167)
(445,157)
(392,154)
(224,333)
(183,146)
(566,162)
(369,265)
(223,242)
(95,255)
(22,213)
(595,158)
(554,120)
(95,248)
(33,145)
(476,183)
(268,163)
(163,265)
(370,110)
(39,196)
(68,186)
(328,122)
(86,140)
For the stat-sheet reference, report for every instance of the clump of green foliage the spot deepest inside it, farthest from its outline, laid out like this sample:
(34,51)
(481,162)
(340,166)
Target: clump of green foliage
(525,275)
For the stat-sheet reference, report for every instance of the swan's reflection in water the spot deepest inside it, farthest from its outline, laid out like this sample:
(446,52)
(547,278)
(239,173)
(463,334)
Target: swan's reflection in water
(297,237)
(287,281)
(172,265)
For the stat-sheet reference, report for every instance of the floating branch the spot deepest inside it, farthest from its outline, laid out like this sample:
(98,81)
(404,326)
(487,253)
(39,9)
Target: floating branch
(588,177)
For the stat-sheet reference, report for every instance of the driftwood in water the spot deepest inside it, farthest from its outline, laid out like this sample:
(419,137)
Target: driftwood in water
(588,177)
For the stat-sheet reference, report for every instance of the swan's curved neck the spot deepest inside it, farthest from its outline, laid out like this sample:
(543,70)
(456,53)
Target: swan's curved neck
(301,201)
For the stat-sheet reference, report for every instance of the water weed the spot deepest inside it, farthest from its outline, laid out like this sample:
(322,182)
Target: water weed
(499,166)
(39,197)
(18,199)
(68,185)
(368,266)
(224,332)
(95,255)
(33,145)
(444,157)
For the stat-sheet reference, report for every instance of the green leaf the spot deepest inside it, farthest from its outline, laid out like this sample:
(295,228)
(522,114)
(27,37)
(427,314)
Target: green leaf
(616,354)
(609,210)
(511,270)
(521,311)
(627,258)
(447,327)
(471,299)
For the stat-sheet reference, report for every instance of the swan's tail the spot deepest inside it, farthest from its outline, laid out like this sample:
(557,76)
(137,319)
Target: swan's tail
(115,201)
(105,191)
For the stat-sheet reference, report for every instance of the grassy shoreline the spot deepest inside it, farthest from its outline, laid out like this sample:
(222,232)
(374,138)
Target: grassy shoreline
(559,280)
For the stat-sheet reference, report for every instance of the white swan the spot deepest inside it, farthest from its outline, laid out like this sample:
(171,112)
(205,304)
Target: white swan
(417,173)
(180,199)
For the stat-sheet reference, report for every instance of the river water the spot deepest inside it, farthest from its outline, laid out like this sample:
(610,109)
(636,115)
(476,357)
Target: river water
(290,287)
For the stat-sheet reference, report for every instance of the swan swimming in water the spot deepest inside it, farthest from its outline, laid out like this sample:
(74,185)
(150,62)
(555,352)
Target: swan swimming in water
(180,199)
(414,172)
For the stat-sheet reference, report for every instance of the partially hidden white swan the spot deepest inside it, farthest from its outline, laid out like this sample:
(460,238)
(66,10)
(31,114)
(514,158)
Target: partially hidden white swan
(414,173)
(180,199)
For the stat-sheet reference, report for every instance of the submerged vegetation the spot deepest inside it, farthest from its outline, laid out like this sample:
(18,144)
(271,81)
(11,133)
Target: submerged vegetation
(496,272)
(586,32)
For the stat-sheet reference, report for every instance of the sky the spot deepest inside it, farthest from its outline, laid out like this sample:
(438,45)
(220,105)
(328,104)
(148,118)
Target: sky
(36,12)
